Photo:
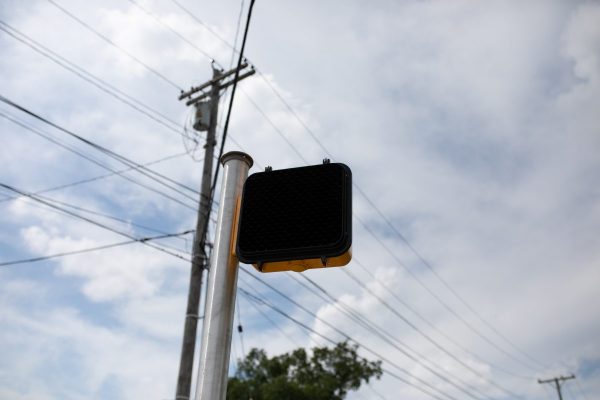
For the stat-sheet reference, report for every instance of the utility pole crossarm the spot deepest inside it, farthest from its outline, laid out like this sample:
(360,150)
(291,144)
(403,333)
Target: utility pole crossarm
(222,86)
(557,383)
(196,89)
(218,82)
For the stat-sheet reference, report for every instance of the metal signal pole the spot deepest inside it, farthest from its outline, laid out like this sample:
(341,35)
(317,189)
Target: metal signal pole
(222,283)
(206,117)
(557,382)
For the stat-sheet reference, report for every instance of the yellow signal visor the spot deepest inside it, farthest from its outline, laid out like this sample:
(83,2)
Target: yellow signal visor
(303,265)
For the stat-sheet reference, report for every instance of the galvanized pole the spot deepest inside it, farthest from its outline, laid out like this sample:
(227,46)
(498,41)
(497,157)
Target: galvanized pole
(186,363)
(222,284)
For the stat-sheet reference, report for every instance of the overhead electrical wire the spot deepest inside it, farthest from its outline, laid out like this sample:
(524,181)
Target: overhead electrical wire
(355,261)
(183,38)
(112,43)
(92,249)
(115,45)
(290,110)
(375,391)
(372,204)
(379,356)
(388,338)
(169,28)
(143,170)
(422,333)
(227,119)
(293,112)
(225,97)
(377,332)
(284,334)
(90,78)
(100,214)
(570,392)
(95,178)
(302,157)
(240,328)
(580,389)
(91,221)
(205,26)
(470,326)
(439,299)
(266,316)
(122,159)
(237,30)
(92,160)
(33,203)
(94,80)
(270,320)
(450,289)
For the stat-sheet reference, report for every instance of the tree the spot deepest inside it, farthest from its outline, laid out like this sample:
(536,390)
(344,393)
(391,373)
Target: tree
(328,374)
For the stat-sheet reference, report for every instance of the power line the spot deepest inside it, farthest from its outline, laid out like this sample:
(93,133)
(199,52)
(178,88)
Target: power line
(306,327)
(122,159)
(92,160)
(270,320)
(302,157)
(237,31)
(100,214)
(96,223)
(375,391)
(430,324)
(91,249)
(558,383)
(231,98)
(95,178)
(470,326)
(411,247)
(183,38)
(316,139)
(291,110)
(580,389)
(447,285)
(240,328)
(376,332)
(115,45)
(438,298)
(426,336)
(168,27)
(94,80)
(205,26)
(386,336)
(235,39)
(283,333)
(129,223)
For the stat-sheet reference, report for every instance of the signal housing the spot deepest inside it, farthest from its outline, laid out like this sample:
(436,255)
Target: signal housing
(296,218)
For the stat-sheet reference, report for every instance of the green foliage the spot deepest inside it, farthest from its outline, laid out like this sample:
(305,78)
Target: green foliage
(328,374)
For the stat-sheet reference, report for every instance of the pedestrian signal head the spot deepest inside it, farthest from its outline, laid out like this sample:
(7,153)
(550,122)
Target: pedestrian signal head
(297,218)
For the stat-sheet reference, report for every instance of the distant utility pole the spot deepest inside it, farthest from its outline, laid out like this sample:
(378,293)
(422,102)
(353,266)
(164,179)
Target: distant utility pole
(206,116)
(557,382)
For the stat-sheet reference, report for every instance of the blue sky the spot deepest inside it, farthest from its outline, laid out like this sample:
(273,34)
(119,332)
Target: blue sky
(472,126)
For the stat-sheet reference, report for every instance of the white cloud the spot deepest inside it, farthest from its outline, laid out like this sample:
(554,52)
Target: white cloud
(473,127)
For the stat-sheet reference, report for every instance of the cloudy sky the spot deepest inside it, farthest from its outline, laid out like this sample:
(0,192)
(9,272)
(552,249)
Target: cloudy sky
(472,131)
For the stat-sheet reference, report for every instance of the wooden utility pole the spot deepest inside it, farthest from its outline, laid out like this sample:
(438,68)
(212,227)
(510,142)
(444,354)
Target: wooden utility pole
(206,118)
(557,382)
